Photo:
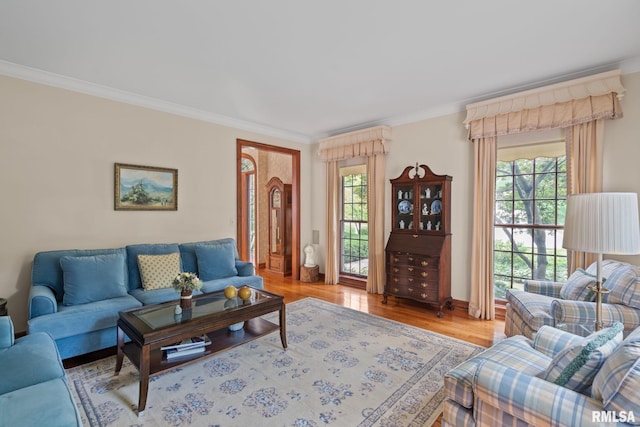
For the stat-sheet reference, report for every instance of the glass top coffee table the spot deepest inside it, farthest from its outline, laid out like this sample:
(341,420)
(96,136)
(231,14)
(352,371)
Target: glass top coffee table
(154,326)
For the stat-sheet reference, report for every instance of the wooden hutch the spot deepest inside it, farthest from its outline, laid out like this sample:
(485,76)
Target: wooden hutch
(418,253)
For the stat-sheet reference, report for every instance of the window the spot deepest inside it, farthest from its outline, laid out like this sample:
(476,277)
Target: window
(354,238)
(530,205)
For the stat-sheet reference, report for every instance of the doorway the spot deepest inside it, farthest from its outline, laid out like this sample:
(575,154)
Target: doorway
(252,209)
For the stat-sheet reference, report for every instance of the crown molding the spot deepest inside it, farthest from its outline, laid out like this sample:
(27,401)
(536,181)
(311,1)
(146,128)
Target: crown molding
(56,80)
(630,65)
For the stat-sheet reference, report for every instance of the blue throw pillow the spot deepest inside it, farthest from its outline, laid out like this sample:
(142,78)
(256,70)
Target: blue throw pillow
(216,261)
(577,365)
(93,278)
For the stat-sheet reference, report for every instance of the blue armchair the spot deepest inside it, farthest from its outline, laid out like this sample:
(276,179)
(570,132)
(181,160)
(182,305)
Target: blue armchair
(33,385)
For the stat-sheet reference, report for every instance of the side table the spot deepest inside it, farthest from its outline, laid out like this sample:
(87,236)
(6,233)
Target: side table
(309,274)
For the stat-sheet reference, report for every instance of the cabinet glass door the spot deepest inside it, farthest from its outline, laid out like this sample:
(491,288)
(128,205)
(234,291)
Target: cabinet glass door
(431,207)
(403,206)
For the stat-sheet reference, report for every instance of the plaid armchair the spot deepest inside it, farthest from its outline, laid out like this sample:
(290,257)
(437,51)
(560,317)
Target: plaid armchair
(571,306)
(510,384)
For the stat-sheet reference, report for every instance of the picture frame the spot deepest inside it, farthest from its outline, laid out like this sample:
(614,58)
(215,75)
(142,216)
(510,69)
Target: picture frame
(145,188)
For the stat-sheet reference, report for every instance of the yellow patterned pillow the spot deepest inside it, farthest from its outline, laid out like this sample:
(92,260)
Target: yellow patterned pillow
(158,271)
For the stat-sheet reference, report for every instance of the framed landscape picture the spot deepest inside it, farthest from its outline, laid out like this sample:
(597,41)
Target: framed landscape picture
(145,188)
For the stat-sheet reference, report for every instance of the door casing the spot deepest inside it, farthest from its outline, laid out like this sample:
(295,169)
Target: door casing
(295,203)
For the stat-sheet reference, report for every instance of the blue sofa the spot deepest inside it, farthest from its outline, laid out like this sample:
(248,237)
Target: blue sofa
(76,294)
(33,385)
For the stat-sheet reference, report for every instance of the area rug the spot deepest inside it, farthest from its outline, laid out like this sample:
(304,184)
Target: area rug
(342,368)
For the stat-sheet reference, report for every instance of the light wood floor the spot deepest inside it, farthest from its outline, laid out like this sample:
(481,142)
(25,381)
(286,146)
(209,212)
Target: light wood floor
(456,323)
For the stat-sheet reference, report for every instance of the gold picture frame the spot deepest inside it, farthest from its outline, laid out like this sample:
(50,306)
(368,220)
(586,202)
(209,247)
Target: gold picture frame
(145,188)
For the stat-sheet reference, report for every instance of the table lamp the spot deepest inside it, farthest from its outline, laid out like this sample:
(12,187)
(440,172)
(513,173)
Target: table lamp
(602,223)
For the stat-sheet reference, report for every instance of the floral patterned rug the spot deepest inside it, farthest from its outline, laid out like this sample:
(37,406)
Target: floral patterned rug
(342,368)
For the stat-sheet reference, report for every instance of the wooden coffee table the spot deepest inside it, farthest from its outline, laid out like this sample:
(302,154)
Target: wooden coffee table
(155,326)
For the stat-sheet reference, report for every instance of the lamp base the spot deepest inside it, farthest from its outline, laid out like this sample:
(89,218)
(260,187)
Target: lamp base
(599,290)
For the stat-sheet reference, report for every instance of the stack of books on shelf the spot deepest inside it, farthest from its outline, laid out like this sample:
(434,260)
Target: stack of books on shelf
(186,347)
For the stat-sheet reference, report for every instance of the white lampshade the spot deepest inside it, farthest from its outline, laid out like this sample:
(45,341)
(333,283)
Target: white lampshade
(602,223)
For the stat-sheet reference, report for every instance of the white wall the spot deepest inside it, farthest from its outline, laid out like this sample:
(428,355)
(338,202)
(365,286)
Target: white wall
(57,155)
(441,144)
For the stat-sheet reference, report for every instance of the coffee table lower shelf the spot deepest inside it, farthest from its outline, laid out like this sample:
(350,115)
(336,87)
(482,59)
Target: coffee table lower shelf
(222,339)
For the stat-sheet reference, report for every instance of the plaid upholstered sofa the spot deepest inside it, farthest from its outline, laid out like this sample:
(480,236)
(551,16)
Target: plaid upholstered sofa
(570,306)
(555,379)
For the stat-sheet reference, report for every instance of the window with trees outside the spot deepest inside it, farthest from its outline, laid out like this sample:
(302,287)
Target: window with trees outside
(530,205)
(354,238)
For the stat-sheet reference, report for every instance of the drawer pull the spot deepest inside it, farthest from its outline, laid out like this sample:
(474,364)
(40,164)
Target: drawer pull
(395,279)
(410,289)
(395,270)
(395,290)
(410,268)
(424,263)
(424,274)
(423,284)
(410,279)
(395,259)
(415,235)
(424,295)
(411,258)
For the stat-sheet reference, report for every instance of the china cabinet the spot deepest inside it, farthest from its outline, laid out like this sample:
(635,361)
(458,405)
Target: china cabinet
(280,197)
(418,252)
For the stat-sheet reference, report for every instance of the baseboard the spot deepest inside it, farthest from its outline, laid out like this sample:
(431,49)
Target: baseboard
(461,305)
(501,310)
(464,306)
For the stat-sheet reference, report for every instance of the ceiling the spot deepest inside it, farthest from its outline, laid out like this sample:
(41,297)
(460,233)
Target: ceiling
(304,70)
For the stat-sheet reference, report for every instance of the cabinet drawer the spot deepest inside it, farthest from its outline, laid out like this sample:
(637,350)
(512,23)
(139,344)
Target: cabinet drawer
(404,258)
(422,291)
(410,270)
(414,282)
(423,294)
(402,280)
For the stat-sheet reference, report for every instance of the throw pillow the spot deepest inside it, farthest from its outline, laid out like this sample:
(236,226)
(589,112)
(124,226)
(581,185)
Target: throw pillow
(158,271)
(93,278)
(576,366)
(135,280)
(618,381)
(188,252)
(576,287)
(624,287)
(216,261)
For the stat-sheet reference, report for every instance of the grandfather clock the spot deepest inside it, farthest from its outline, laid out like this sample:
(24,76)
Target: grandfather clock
(280,197)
